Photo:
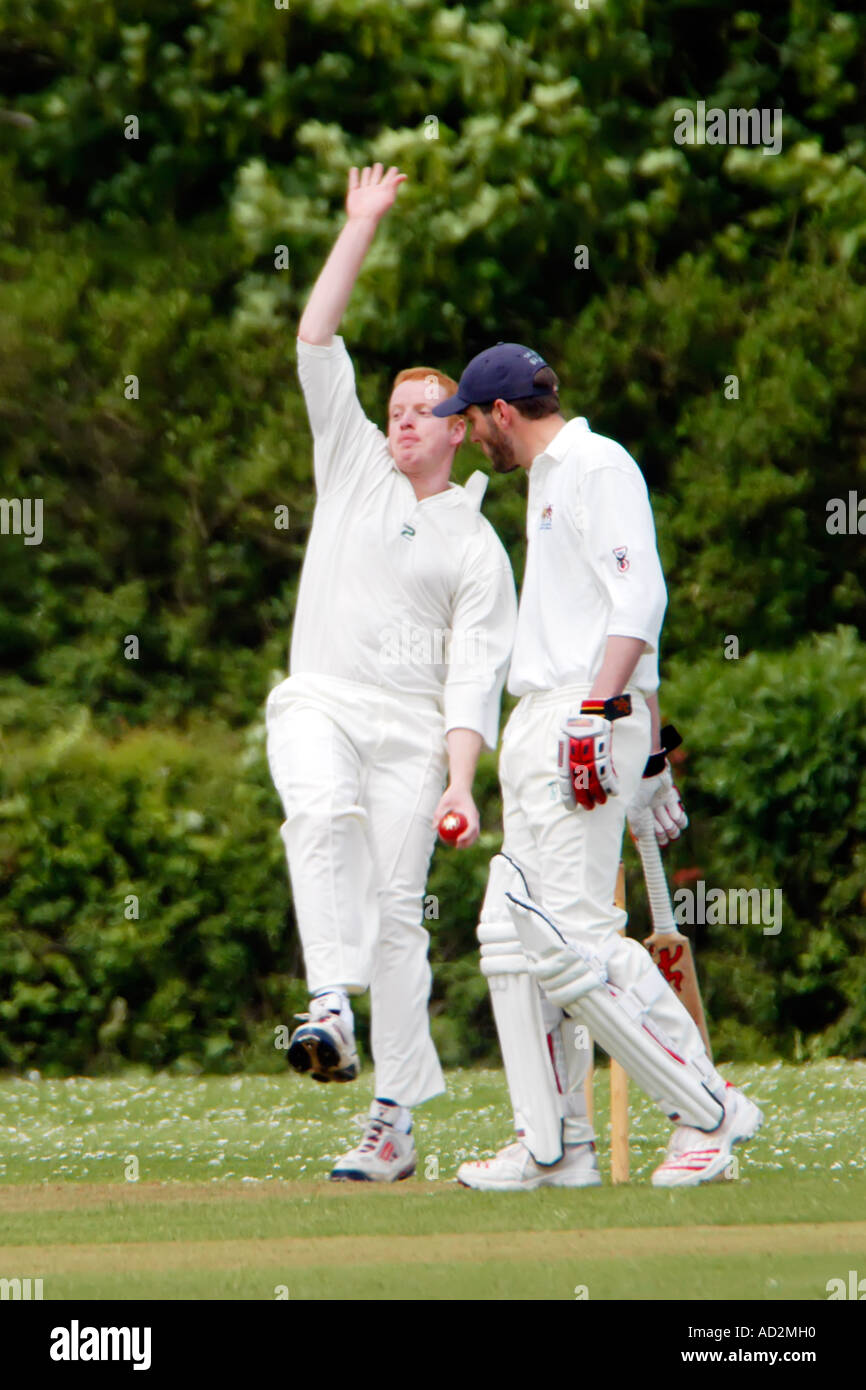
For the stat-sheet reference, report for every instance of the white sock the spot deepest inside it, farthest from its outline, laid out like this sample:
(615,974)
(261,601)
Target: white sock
(397,1116)
(332,1001)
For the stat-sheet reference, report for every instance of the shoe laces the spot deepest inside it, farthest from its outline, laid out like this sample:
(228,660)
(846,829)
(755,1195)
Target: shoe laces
(331,1017)
(512,1150)
(372,1132)
(332,1005)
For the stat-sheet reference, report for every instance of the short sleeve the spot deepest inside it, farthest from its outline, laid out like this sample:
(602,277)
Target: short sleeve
(345,443)
(482,635)
(621,547)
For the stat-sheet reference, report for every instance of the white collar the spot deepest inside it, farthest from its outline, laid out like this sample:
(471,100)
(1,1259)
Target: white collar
(563,440)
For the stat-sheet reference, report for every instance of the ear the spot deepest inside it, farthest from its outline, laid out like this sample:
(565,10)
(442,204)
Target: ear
(458,431)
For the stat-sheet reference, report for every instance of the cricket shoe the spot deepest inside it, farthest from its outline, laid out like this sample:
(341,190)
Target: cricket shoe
(515,1170)
(385,1153)
(694,1156)
(324,1045)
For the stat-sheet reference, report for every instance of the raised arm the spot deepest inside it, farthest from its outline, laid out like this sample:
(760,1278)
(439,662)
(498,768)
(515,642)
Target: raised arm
(370,194)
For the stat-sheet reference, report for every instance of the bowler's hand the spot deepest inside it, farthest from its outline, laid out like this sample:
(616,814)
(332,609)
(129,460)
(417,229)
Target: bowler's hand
(371,192)
(456,799)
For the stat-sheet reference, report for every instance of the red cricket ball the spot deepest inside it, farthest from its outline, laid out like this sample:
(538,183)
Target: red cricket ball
(451,826)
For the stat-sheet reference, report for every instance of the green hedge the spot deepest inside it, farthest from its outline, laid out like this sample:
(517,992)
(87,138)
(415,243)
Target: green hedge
(773,777)
(186,823)
(155,258)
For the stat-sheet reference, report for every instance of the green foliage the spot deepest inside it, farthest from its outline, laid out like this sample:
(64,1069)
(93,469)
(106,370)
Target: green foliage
(144,910)
(774,778)
(157,258)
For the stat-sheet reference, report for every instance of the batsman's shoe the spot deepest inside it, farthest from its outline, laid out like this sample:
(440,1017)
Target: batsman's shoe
(694,1156)
(385,1154)
(515,1170)
(324,1044)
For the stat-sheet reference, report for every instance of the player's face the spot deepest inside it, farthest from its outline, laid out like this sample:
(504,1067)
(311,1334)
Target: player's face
(419,441)
(497,445)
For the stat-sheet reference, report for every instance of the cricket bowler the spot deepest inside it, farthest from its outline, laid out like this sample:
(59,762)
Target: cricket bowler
(403,628)
(573,761)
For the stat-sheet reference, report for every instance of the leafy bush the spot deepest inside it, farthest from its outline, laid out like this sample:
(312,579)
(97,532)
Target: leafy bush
(773,777)
(144,907)
(774,780)
(154,258)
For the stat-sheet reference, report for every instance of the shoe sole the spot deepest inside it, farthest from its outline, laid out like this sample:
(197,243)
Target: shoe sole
(315,1053)
(716,1169)
(515,1185)
(357,1175)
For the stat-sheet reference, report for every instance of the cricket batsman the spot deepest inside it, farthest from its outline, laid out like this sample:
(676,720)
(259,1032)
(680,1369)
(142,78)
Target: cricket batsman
(402,632)
(582,747)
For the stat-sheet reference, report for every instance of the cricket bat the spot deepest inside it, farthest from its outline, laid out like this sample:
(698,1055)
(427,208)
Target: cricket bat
(671,951)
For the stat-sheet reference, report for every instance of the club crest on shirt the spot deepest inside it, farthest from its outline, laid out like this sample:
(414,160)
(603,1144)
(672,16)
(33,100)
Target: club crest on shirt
(408,531)
(546,522)
(620,554)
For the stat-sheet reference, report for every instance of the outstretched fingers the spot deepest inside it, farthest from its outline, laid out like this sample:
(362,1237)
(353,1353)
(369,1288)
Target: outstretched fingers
(375,174)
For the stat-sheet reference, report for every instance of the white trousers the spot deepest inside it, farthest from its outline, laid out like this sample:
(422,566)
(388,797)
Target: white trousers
(569,858)
(360,771)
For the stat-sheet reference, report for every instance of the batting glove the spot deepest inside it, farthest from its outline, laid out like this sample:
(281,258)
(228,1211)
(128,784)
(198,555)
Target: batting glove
(658,794)
(587,776)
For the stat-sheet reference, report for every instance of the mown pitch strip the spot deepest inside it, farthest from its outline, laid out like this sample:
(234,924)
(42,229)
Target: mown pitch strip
(768,1240)
(282,1252)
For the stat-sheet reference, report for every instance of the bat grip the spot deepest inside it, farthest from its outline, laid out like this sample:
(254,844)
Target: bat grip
(656,882)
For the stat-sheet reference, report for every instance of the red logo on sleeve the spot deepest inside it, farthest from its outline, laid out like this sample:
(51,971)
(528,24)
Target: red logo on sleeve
(621,556)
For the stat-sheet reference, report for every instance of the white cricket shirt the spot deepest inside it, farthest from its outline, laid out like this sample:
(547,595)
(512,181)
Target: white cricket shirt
(592,567)
(410,596)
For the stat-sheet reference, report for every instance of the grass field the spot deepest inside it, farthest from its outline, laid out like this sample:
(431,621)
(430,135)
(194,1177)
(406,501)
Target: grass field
(230,1198)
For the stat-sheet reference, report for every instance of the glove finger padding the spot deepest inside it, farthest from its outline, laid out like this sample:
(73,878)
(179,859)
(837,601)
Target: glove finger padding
(659,796)
(670,816)
(563,764)
(586,771)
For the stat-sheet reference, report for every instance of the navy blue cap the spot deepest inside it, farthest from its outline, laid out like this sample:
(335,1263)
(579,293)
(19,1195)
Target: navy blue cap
(504,372)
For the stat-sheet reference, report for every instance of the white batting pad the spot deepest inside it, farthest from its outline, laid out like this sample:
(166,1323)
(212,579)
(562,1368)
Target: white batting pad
(621,1019)
(517,1009)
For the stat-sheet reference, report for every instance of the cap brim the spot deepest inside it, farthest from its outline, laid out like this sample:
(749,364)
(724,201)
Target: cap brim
(453,405)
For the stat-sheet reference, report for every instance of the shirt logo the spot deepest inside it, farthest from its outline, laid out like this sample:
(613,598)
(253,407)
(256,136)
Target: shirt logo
(620,554)
(546,519)
(408,531)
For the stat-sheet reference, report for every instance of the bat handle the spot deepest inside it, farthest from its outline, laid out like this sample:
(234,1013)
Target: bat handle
(656,882)
(662,912)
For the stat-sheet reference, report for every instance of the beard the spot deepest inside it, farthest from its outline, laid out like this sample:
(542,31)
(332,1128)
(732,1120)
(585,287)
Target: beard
(501,450)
